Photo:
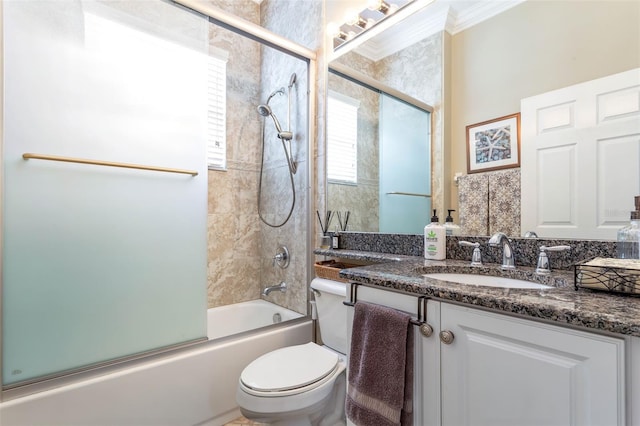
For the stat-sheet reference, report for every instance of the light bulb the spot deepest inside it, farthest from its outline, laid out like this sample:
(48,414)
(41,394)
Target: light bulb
(333,29)
(351,17)
(374,4)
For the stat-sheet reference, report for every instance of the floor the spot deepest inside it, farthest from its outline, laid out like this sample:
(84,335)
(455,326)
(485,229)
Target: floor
(241,421)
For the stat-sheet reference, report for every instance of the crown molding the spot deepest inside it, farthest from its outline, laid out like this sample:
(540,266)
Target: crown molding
(478,12)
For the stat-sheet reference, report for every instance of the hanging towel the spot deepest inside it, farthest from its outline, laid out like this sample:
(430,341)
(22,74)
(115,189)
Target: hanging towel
(380,388)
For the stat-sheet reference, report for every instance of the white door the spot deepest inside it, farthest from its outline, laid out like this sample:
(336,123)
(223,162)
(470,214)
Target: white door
(501,370)
(581,158)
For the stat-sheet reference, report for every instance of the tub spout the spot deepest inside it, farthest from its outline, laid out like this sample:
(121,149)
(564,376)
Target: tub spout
(282,287)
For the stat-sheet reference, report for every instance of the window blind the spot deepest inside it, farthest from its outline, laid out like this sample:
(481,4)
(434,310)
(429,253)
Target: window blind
(342,138)
(217,111)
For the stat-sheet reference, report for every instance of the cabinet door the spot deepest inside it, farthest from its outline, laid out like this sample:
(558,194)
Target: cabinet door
(501,370)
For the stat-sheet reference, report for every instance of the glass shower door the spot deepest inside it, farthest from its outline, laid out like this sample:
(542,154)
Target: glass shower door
(405,167)
(99,262)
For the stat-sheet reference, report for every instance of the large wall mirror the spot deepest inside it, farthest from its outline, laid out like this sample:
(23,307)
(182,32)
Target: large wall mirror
(378,155)
(476,61)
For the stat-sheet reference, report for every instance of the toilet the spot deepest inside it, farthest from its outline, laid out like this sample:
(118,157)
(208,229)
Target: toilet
(303,384)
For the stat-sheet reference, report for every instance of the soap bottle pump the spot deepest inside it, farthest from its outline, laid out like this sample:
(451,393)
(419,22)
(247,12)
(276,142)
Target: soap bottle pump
(450,227)
(434,239)
(628,244)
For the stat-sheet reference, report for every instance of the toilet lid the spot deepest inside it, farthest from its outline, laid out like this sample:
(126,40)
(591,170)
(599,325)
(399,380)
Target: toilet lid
(289,368)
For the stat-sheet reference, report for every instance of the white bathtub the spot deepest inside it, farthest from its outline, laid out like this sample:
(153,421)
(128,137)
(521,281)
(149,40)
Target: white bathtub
(193,387)
(233,319)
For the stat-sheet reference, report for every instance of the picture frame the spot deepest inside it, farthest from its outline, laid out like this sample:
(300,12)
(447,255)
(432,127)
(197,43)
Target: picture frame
(494,144)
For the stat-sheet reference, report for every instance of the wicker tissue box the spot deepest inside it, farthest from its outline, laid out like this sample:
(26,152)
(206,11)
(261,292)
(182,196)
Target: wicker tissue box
(330,270)
(612,275)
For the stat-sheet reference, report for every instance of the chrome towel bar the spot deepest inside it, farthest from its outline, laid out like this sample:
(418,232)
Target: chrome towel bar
(28,156)
(421,321)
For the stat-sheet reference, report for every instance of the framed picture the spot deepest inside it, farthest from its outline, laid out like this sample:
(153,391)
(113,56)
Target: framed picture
(494,144)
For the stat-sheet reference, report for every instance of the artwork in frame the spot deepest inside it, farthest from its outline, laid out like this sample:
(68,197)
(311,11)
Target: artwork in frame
(494,144)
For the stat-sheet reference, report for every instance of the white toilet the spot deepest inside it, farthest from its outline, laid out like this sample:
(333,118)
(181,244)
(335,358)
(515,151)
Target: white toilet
(304,384)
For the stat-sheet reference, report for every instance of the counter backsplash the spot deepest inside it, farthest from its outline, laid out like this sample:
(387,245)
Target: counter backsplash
(525,249)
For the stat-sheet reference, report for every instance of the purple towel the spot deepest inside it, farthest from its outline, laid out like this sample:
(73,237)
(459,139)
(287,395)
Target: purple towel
(380,389)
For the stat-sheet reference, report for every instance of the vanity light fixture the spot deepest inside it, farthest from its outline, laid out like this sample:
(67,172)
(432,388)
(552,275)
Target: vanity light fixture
(376,11)
(361,22)
(380,5)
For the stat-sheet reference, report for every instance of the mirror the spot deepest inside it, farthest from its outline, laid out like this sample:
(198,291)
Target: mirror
(377,66)
(386,186)
(474,68)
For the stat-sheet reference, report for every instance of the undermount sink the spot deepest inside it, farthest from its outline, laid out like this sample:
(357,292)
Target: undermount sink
(485,280)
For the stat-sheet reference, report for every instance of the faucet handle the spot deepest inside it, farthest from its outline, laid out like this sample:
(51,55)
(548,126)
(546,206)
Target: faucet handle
(476,257)
(281,257)
(544,266)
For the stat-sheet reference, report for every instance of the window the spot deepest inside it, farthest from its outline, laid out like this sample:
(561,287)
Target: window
(217,110)
(342,138)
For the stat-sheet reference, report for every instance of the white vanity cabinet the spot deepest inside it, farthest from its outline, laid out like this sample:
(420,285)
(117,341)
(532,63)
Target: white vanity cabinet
(503,370)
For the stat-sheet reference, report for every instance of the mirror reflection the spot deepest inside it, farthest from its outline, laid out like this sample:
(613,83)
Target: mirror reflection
(378,157)
(478,67)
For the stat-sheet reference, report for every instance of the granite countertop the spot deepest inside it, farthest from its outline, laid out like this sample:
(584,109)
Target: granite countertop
(561,303)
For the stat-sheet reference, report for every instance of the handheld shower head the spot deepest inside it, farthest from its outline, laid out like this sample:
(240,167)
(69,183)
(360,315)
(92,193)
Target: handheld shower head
(265,111)
(292,80)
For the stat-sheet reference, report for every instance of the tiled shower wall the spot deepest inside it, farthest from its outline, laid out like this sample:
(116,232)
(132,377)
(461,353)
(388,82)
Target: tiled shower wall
(233,228)
(240,247)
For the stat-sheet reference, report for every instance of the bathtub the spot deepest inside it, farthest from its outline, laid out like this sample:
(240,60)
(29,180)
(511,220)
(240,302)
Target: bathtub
(239,317)
(194,386)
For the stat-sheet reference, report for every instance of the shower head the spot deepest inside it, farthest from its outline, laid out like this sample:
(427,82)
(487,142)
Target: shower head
(292,80)
(265,111)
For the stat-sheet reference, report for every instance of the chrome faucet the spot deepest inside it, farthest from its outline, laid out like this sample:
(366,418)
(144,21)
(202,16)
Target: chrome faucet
(508,259)
(544,267)
(282,287)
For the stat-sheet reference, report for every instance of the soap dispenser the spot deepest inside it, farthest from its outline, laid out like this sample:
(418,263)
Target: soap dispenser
(628,244)
(435,239)
(450,227)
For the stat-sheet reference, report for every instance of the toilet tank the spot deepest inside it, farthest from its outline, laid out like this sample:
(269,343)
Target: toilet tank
(332,313)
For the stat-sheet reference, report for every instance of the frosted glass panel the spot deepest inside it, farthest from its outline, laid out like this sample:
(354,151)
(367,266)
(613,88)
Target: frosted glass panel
(405,167)
(101,263)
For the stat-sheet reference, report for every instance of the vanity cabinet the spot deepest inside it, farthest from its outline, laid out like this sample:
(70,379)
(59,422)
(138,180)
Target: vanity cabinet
(503,370)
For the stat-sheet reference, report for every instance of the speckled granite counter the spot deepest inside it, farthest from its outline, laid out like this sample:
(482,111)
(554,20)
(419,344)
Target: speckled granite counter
(561,304)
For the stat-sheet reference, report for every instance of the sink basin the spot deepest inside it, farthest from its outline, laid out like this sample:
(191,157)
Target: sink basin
(485,280)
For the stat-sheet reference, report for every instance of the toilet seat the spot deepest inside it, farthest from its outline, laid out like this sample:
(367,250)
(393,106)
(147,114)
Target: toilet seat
(289,371)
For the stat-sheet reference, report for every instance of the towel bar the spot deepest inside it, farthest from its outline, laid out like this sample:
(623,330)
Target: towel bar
(421,321)
(28,155)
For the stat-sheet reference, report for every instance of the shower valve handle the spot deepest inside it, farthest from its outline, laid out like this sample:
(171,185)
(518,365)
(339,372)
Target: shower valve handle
(281,257)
